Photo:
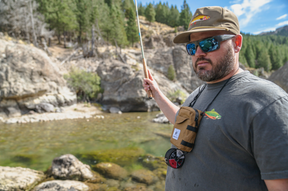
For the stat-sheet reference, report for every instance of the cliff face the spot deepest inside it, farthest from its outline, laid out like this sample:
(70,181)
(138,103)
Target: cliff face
(280,77)
(29,81)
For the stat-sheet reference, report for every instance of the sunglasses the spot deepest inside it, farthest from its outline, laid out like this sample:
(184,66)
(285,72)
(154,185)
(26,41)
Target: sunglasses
(208,44)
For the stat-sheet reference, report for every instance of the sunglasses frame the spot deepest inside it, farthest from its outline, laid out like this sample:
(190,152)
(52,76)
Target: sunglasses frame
(219,39)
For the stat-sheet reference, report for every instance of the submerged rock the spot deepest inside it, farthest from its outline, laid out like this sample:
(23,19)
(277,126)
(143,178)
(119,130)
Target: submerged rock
(68,167)
(111,170)
(19,178)
(144,176)
(63,185)
(121,156)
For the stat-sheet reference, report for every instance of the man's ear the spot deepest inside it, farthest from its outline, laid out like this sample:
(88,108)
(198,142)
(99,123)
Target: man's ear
(238,43)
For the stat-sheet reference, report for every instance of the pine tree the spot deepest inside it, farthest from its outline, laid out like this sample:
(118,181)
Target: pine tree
(141,9)
(250,57)
(264,60)
(128,5)
(131,29)
(118,32)
(275,57)
(150,13)
(103,18)
(82,12)
(173,17)
(59,15)
(185,15)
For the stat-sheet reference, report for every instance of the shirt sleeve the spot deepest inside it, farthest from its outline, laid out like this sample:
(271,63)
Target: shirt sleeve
(269,133)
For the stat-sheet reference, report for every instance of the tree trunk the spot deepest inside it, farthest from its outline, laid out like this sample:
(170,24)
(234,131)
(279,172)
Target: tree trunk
(64,33)
(32,22)
(59,38)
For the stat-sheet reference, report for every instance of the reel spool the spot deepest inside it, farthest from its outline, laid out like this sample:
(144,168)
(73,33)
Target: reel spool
(175,158)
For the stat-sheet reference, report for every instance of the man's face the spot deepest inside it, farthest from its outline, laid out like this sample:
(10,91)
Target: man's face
(215,65)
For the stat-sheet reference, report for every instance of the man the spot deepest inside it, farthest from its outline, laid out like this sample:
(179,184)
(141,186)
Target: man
(242,142)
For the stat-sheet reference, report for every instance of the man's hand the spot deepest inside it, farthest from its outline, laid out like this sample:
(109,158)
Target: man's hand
(150,84)
(167,107)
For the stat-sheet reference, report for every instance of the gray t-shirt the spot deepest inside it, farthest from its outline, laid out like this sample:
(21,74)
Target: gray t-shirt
(242,139)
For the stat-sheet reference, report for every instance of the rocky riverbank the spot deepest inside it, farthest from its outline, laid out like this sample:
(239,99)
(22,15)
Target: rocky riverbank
(68,173)
(76,111)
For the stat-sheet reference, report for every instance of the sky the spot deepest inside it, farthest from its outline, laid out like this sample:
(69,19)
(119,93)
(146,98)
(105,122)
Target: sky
(255,16)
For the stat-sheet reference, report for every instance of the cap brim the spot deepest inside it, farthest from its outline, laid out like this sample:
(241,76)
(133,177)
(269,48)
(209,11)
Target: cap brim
(184,37)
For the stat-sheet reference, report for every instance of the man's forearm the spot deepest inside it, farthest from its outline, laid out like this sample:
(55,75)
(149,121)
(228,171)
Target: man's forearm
(167,107)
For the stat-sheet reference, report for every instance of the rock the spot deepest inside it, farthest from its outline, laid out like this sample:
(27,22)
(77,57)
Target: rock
(46,107)
(122,88)
(113,183)
(161,118)
(111,170)
(13,111)
(144,176)
(19,178)
(152,162)
(280,77)
(184,70)
(161,61)
(115,110)
(68,167)
(61,185)
(29,78)
(169,40)
(135,187)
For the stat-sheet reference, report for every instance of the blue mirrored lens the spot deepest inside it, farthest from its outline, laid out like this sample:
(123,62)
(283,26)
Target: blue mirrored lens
(206,45)
(191,48)
(209,44)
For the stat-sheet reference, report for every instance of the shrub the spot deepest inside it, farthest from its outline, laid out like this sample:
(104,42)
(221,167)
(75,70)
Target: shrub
(171,73)
(173,95)
(85,84)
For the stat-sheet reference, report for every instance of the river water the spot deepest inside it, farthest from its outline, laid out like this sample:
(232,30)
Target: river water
(35,145)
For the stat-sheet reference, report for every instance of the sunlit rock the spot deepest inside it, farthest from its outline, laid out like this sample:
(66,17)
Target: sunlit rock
(65,185)
(19,178)
(68,167)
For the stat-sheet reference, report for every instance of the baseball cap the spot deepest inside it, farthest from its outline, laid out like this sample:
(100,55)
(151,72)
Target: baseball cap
(210,19)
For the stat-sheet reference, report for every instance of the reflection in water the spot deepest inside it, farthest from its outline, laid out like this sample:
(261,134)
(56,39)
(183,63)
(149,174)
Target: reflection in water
(34,145)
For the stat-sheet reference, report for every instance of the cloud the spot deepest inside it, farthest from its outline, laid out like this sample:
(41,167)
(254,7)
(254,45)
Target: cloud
(282,23)
(247,9)
(265,30)
(282,17)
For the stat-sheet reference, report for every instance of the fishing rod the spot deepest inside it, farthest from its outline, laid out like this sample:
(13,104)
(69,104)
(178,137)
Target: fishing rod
(149,93)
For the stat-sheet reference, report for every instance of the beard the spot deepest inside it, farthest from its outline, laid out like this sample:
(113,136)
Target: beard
(219,70)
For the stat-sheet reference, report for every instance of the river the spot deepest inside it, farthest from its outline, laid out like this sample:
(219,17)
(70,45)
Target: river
(35,145)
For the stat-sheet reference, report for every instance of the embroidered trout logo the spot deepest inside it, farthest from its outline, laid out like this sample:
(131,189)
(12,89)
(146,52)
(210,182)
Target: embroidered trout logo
(212,114)
(199,18)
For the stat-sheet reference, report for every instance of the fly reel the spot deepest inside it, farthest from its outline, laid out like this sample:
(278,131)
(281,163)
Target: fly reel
(175,158)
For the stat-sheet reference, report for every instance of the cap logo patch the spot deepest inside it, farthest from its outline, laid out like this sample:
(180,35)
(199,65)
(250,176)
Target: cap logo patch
(199,18)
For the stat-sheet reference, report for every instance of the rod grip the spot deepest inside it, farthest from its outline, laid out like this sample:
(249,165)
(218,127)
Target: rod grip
(149,93)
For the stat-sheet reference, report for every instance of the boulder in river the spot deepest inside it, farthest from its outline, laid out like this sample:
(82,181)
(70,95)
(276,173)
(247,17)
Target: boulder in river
(68,167)
(19,178)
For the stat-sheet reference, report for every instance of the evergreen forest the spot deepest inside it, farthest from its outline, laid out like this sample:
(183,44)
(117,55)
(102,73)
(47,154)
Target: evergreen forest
(114,21)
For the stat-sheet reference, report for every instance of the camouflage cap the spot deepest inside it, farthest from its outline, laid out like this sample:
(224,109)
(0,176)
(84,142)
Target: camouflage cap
(210,19)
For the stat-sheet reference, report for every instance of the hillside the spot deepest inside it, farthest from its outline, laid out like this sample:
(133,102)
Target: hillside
(283,31)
